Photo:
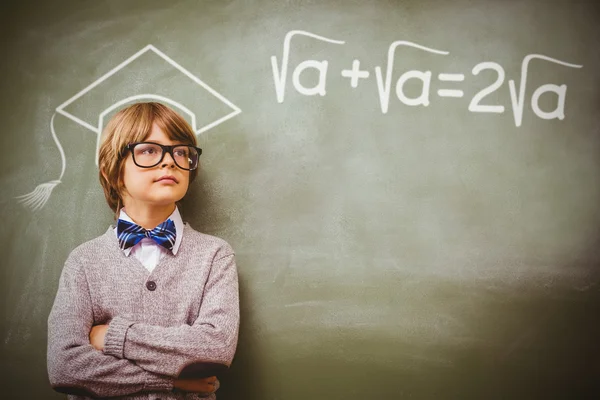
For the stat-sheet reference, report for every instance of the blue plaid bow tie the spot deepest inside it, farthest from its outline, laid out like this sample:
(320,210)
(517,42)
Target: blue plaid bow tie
(129,234)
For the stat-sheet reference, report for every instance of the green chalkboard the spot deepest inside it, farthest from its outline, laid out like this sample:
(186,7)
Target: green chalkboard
(412,188)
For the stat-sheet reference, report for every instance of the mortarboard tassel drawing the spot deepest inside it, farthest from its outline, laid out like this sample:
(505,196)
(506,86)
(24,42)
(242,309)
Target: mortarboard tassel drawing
(169,84)
(38,198)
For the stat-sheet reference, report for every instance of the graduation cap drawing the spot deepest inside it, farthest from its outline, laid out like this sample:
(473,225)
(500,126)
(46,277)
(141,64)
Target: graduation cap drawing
(155,77)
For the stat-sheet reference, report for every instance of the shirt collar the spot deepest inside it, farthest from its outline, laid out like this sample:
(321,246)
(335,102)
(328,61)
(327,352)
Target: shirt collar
(175,217)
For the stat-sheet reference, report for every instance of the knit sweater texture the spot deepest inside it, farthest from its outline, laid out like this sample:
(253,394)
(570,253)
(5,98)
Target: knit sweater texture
(184,313)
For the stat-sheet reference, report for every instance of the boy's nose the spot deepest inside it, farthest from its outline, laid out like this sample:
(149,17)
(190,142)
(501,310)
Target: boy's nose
(168,160)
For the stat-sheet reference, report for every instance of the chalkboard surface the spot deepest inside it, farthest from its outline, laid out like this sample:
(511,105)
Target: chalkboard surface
(412,188)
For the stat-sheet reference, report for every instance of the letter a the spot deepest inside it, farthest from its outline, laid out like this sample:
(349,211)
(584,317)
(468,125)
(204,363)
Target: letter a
(559,111)
(320,66)
(423,99)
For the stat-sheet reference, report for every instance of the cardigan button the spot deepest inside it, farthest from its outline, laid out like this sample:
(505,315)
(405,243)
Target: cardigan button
(151,285)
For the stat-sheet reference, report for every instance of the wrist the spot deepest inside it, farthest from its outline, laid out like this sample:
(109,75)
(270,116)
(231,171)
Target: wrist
(159,383)
(114,340)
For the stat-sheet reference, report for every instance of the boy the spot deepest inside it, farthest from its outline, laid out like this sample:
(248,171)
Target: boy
(151,297)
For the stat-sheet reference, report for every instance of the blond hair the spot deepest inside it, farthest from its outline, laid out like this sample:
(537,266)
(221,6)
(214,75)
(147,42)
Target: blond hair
(130,125)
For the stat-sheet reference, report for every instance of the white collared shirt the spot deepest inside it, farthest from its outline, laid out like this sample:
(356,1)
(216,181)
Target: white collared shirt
(147,251)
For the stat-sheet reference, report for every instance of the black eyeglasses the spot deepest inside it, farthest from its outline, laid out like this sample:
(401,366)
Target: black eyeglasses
(148,154)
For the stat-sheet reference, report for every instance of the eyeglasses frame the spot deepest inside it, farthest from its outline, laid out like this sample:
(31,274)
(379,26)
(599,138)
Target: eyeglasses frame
(165,149)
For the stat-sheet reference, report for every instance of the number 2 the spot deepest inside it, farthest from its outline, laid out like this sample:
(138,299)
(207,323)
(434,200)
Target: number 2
(474,106)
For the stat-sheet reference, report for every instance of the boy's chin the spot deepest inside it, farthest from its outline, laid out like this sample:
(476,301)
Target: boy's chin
(163,202)
(166,196)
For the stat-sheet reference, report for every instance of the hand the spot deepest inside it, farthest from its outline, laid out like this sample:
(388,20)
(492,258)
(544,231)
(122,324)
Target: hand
(197,385)
(97,335)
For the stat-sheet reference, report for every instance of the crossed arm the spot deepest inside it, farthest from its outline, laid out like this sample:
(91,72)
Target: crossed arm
(126,357)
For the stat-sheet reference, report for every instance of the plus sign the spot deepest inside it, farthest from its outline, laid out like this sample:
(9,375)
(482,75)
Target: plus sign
(355,73)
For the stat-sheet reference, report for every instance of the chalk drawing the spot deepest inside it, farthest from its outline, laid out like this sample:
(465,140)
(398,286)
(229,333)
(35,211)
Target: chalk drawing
(280,73)
(384,83)
(40,195)
(518,102)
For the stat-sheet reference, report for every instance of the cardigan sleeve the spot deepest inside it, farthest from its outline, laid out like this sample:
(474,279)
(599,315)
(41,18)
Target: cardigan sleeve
(74,366)
(212,338)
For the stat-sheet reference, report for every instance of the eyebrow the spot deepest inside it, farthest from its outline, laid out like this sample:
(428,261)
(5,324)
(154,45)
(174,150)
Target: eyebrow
(164,144)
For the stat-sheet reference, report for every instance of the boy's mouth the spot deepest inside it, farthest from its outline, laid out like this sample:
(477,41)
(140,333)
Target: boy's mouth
(167,178)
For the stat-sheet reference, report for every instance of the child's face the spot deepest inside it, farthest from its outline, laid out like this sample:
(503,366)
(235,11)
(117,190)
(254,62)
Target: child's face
(150,186)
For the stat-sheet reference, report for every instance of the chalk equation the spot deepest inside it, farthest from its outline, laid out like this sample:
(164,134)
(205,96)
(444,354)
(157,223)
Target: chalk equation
(385,84)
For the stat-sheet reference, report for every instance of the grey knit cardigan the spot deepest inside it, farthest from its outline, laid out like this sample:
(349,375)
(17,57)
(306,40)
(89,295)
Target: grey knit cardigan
(183,314)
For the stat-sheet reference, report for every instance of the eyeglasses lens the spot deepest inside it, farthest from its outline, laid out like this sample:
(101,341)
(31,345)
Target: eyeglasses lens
(186,157)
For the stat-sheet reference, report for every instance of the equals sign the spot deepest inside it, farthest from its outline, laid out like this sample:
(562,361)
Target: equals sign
(451,78)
